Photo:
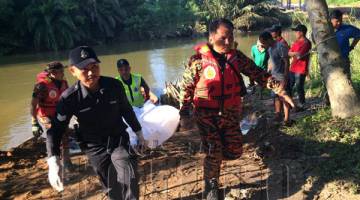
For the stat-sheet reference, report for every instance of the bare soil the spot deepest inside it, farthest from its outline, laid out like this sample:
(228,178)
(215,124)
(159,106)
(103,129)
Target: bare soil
(273,166)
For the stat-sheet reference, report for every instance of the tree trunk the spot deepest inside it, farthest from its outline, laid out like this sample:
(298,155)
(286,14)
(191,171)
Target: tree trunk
(343,98)
(288,4)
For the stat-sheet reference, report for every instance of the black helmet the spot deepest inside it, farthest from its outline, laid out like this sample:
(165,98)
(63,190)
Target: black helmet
(122,63)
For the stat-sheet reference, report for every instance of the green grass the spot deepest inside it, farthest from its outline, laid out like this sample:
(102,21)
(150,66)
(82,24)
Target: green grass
(315,87)
(331,2)
(341,2)
(337,139)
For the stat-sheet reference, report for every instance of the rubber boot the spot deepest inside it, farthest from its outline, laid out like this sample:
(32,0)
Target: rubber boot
(211,189)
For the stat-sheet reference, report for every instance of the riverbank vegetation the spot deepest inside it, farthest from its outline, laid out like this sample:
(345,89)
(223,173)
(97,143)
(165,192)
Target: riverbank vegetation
(342,2)
(42,25)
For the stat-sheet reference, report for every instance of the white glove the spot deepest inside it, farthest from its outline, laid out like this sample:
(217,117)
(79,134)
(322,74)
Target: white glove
(54,171)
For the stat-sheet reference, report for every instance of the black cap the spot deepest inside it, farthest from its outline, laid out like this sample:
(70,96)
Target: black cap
(336,14)
(54,66)
(265,35)
(122,62)
(301,28)
(274,28)
(81,56)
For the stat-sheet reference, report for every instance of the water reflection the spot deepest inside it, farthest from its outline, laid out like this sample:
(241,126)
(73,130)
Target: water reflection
(18,132)
(157,66)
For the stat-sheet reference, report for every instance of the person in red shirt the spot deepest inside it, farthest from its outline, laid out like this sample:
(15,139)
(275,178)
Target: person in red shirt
(276,32)
(299,52)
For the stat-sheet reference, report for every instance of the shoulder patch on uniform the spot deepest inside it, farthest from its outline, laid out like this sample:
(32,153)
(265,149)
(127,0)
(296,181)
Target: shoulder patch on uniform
(52,94)
(210,72)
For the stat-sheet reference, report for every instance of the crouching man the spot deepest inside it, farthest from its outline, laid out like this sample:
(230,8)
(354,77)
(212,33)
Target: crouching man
(100,104)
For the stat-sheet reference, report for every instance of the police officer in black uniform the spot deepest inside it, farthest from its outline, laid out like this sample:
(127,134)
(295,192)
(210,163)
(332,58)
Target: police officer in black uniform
(100,104)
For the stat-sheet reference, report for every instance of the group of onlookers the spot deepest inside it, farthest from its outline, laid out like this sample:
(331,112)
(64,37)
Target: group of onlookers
(290,64)
(272,53)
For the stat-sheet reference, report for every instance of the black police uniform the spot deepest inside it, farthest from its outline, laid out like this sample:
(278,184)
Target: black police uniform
(102,133)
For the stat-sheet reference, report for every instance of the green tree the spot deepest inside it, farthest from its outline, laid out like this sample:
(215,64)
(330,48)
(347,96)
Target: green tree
(50,25)
(104,16)
(212,9)
(8,40)
(153,18)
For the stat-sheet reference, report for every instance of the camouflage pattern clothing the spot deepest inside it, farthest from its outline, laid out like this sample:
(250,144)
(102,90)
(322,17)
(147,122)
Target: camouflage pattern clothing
(221,138)
(220,133)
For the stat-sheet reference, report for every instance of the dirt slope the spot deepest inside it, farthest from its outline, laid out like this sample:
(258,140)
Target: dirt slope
(273,166)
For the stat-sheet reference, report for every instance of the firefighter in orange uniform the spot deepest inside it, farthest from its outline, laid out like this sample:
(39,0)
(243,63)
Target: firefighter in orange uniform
(49,86)
(212,88)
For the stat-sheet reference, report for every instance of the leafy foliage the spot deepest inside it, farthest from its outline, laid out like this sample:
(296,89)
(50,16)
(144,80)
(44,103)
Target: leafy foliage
(50,25)
(156,17)
(341,2)
(60,24)
(7,38)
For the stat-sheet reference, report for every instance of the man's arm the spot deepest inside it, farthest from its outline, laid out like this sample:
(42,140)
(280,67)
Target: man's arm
(354,43)
(248,67)
(58,126)
(187,85)
(126,109)
(294,54)
(39,93)
(302,52)
(285,58)
(36,128)
(286,67)
(33,106)
(355,33)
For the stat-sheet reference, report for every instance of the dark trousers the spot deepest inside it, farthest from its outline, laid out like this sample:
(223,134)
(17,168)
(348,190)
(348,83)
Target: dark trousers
(299,81)
(117,170)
